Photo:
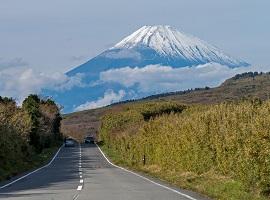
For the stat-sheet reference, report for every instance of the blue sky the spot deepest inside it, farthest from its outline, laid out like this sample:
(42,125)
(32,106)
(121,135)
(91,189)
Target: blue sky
(41,40)
(58,35)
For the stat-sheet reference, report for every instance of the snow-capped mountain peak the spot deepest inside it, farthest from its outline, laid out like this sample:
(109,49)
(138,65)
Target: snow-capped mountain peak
(149,58)
(165,39)
(171,43)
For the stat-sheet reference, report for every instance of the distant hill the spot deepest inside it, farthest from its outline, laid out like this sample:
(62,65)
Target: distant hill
(246,85)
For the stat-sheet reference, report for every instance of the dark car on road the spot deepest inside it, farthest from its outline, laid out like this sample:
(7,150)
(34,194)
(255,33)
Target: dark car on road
(69,142)
(89,140)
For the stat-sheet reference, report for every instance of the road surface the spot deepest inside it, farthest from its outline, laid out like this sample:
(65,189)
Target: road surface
(83,173)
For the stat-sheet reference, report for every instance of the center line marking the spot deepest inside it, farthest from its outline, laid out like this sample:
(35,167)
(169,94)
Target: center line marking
(81,180)
(79,187)
(76,197)
(80,176)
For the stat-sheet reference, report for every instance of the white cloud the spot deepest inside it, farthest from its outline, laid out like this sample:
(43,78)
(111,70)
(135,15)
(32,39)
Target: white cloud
(109,97)
(15,62)
(20,82)
(157,79)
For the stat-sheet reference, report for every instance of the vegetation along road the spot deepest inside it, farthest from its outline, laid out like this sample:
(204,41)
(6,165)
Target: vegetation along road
(219,147)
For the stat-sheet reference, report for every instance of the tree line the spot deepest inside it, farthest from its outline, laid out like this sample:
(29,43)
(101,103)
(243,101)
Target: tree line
(26,131)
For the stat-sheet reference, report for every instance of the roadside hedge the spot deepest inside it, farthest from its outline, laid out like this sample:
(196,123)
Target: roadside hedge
(229,139)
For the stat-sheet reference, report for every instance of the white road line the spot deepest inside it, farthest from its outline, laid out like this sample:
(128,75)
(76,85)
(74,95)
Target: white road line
(80,172)
(79,187)
(158,184)
(33,171)
(76,196)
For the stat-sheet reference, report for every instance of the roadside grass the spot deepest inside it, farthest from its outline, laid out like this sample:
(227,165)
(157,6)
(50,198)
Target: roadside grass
(20,166)
(209,184)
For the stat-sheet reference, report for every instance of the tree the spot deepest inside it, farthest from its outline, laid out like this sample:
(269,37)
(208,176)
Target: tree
(51,111)
(31,106)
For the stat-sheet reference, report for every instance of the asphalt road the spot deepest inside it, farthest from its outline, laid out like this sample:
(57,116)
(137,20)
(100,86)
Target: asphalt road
(83,173)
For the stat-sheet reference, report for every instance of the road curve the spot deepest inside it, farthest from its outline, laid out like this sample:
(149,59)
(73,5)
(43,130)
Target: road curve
(83,173)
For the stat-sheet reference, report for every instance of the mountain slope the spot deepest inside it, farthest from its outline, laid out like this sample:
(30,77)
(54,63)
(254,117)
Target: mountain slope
(247,85)
(157,53)
(162,45)
(172,44)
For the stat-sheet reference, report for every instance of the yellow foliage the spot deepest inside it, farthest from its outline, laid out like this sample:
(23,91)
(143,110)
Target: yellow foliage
(232,139)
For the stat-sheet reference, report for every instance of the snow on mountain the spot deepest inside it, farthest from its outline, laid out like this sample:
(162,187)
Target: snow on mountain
(169,42)
(154,45)
(153,59)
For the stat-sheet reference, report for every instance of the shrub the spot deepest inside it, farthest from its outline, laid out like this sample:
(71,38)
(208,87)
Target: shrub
(231,139)
(34,126)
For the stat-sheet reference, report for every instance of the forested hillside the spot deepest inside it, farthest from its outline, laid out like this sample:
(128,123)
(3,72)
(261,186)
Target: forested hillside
(28,134)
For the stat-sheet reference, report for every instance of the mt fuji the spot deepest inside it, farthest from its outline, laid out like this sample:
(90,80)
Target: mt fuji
(115,74)
(162,45)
